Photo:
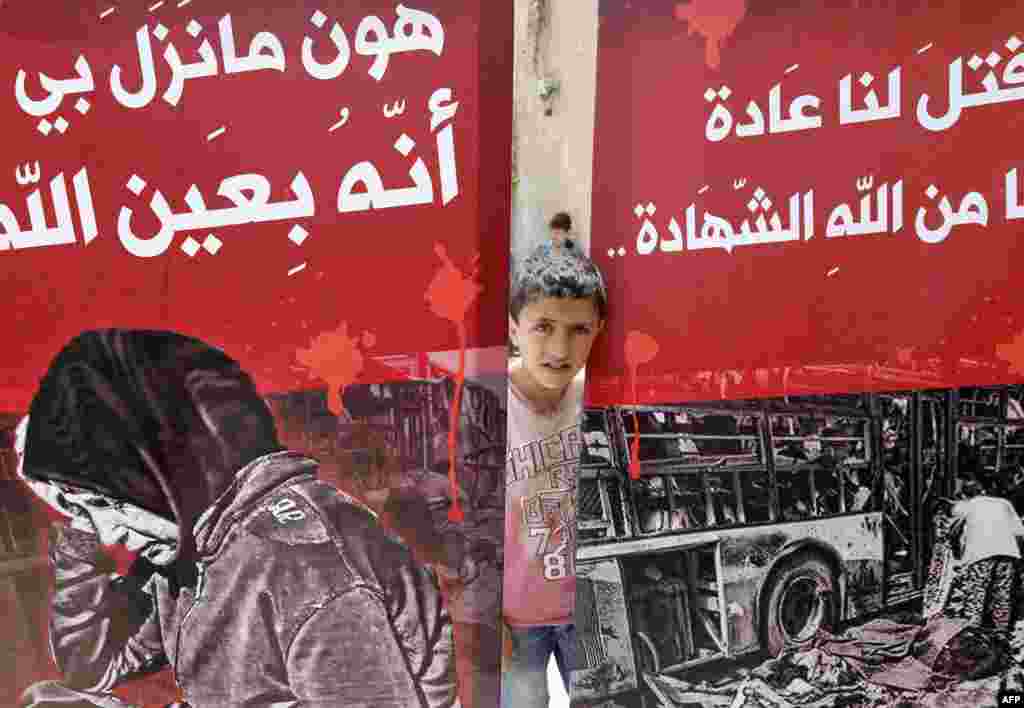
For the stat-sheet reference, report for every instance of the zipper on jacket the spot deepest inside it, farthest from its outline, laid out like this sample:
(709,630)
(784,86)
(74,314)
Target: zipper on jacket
(200,577)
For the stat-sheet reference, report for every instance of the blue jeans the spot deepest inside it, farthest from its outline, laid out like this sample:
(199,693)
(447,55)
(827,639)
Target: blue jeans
(524,681)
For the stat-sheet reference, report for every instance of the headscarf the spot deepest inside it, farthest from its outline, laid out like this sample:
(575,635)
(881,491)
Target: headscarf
(153,418)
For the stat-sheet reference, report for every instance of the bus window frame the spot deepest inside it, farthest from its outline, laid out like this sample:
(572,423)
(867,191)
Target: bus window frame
(607,521)
(1002,423)
(666,468)
(604,472)
(621,416)
(810,466)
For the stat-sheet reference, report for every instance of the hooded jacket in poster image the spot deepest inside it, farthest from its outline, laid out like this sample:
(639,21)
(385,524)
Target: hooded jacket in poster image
(256,582)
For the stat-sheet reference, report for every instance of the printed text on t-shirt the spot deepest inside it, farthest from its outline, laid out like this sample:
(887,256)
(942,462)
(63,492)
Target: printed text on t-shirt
(548,515)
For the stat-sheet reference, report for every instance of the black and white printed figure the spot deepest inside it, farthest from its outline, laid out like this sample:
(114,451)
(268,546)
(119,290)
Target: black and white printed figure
(854,549)
(257,583)
(411,492)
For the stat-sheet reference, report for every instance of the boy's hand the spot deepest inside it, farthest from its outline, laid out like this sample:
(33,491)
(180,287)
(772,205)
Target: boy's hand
(49,493)
(78,517)
(52,496)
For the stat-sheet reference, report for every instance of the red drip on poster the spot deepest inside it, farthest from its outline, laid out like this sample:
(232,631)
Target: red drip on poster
(450,294)
(640,349)
(456,513)
(715,22)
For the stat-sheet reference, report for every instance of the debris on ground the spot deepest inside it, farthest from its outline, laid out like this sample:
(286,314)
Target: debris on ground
(941,663)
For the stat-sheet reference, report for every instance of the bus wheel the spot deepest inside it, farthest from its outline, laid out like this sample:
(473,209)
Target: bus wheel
(801,600)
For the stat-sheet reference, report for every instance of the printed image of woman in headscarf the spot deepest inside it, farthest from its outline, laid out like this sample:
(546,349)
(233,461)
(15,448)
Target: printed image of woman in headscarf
(257,583)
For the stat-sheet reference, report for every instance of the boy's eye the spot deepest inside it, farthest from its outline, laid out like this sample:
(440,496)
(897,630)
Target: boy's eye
(543,327)
(582,329)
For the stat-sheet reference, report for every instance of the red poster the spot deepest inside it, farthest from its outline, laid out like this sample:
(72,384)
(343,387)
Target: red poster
(806,403)
(693,110)
(312,192)
(210,202)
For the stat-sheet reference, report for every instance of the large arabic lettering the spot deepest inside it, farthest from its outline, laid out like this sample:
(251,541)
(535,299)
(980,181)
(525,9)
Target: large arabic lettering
(880,213)
(834,207)
(804,112)
(248,193)
(361,187)
(413,30)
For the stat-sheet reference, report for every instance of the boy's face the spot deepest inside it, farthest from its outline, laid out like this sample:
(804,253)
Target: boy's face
(559,237)
(554,337)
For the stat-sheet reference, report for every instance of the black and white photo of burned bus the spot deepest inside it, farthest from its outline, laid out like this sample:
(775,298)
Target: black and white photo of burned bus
(755,523)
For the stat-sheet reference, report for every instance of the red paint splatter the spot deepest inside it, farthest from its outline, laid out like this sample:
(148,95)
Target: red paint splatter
(715,20)
(451,293)
(1013,353)
(337,359)
(640,349)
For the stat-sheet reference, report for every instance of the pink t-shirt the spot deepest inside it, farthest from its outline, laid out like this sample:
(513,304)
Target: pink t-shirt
(540,509)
